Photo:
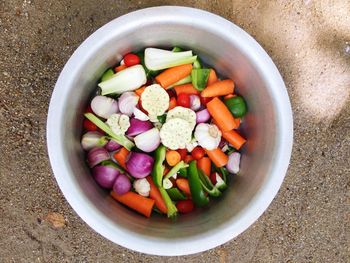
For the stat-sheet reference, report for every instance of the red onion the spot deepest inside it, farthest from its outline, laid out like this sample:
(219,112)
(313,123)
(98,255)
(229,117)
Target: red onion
(92,139)
(148,141)
(137,127)
(195,102)
(112,145)
(233,162)
(122,184)
(127,103)
(202,116)
(97,155)
(139,165)
(105,176)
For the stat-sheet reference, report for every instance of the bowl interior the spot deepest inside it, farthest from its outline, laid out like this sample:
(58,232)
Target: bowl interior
(231,59)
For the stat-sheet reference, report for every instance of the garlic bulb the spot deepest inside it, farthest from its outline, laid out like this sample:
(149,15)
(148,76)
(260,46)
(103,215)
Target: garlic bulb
(127,103)
(208,136)
(142,187)
(104,106)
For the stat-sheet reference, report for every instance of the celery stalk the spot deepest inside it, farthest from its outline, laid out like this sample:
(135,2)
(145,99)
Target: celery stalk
(172,210)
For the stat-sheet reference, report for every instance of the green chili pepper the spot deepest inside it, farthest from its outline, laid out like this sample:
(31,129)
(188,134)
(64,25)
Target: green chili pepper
(237,106)
(200,77)
(224,174)
(107,75)
(208,185)
(175,194)
(197,193)
(176,168)
(158,167)
(183,172)
(162,118)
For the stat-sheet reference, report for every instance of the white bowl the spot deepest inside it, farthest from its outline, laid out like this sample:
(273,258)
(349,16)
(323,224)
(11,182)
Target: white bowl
(268,127)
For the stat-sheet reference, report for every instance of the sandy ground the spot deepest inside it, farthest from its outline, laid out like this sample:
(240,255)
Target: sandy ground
(309,219)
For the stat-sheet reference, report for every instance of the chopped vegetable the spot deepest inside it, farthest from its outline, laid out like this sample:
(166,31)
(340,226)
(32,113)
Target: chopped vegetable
(128,79)
(207,185)
(188,158)
(172,75)
(131,60)
(172,157)
(97,155)
(219,88)
(107,75)
(127,103)
(197,193)
(172,210)
(142,187)
(221,115)
(185,206)
(200,78)
(121,157)
(207,135)
(197,64)
(139,165)
(156,196)
(234,138)
(120,68)
(183,100)
(177,49)
(183,185)
(139,203)
(218,157)
(237,106)
(191,145)
(119,123)
(104,106)
(121,184)
(112,145)
(175,194)
(148,141)
(233,162)
(138,114)
(183,113)
(167,184)
(175,133)
(156,59)
(202,116)
(173,171)
(155,100)
(140,91)
(183,172)
(172,103)
(137,127)
(105,175)
(186,88)
(89,126)
(204,164)
(158,167)
(195,102)
(92,139)
(212,77)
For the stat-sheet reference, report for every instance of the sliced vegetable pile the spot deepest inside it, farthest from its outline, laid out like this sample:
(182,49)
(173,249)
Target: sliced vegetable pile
(162,135)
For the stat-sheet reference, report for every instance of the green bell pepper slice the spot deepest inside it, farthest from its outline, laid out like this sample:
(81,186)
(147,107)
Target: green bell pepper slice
(197,193)
(176,168)
(237,106)
(208,185)
(200,78)
(175,194)
(183,172)
(158,167)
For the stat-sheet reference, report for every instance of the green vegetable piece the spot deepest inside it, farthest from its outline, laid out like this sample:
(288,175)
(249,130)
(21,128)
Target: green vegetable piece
(208,185)
(183,172)
(197,64)
(224,174)
(185,80)
(200,78)
(107,75)
(177,49)
(162,118)
(176,168)
(121,139)
(172,210)
(158,167)
(237,106)
(175,194)
(198,195)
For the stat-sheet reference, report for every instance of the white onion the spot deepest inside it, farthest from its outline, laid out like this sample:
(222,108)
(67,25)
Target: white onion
(104,106)
(148,141)
(140,115)
(127,103)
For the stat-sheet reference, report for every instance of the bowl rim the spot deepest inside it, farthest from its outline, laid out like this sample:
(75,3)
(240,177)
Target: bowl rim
(262,199)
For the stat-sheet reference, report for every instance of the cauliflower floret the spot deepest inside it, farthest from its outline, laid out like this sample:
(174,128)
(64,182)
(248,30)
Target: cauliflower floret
(191,145)
(142,187)
(119,123)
